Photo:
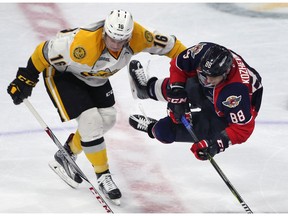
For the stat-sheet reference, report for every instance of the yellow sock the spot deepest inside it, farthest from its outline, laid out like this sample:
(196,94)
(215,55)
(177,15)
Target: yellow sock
(75,145)
(99,160)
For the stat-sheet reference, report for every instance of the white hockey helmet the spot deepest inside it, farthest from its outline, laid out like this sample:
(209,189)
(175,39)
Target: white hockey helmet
(119,25)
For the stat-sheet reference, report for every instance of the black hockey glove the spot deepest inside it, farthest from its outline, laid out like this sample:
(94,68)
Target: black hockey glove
(212,147)
(178,105)
(21,87)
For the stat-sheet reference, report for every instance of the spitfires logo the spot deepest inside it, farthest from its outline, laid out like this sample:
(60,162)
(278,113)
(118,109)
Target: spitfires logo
(232,101)
(79,53)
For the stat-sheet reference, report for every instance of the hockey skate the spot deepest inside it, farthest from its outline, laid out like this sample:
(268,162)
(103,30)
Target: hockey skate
(138,80)
(109,188)
(140,122)
(62,167)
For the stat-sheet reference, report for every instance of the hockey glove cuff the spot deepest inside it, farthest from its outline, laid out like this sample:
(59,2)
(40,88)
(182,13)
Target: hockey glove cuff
(212,147)
(21,87)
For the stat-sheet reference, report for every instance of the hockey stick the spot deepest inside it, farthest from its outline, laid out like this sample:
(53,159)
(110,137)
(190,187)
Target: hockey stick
(217,168)
(67,156)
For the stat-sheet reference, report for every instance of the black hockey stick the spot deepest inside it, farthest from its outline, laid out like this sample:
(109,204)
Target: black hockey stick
(67,156)
(217,168)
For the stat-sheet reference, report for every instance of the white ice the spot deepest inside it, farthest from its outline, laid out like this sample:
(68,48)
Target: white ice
(153,177)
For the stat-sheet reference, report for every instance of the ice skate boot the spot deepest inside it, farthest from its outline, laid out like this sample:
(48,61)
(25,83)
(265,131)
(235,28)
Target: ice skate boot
(138,80)
(140,123)
(70,170)
(108,187)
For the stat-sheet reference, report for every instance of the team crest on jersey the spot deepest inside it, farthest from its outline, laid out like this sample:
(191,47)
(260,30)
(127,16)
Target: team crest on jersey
(79,53)
(232,101)
(148,36)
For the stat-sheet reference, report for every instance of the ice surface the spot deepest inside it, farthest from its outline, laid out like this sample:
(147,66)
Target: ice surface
(153,177)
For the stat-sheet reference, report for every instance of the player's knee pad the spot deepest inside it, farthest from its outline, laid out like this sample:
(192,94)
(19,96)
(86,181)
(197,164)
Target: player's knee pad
(164,130)
(90,125)
(108,117)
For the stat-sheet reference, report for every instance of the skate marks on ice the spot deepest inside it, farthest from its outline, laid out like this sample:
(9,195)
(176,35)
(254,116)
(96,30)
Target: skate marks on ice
(146,189)
(144,186)
(273,176)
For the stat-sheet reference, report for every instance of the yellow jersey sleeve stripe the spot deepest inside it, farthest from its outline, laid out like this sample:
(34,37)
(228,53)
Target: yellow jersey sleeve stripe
(176,50)
(38,58)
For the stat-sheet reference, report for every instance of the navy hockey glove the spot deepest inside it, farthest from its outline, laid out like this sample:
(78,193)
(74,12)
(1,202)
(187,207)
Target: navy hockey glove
(178,105)
(21,87)
(212,147)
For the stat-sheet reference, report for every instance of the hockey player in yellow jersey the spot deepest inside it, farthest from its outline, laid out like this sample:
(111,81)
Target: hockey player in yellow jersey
(76,67)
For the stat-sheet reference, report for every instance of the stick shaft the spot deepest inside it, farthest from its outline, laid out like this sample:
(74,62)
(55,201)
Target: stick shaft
(66,155)
(217,168)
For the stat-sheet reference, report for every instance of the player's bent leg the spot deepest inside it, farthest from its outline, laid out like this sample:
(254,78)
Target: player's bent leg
(168,132)
(138,80)
(90,125)
(96,153)
(108,117)
(91,129)
(157,88)
(143,88)
(59,157)
(141,123)
(164,130)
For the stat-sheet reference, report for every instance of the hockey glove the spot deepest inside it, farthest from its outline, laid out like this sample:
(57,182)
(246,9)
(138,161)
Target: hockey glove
(178,105)
(21,87)
(212,147)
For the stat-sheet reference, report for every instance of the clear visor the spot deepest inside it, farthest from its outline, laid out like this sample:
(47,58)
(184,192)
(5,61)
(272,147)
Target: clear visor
(202,77)
(116,36)
(115,39)
(208,73)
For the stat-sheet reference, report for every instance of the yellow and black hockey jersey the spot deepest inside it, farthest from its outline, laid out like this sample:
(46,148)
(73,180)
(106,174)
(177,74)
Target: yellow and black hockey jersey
(82,51)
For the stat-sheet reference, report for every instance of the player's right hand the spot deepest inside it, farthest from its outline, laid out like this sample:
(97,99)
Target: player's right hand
(177,104)
(21,87)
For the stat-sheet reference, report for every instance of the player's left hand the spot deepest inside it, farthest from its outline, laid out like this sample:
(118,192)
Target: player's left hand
(203,148)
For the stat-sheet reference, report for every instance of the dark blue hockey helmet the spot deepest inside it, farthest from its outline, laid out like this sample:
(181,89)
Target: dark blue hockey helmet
(216,61)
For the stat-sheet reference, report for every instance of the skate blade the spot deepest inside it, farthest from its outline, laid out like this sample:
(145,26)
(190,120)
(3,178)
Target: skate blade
(132,86)
(58,169)
(115,201)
